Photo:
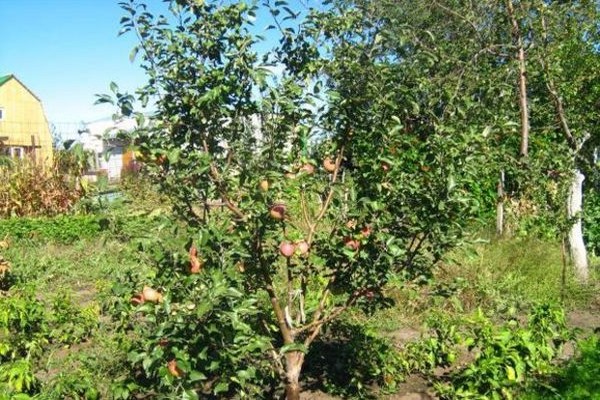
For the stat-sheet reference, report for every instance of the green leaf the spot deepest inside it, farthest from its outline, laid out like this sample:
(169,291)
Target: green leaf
(293,347)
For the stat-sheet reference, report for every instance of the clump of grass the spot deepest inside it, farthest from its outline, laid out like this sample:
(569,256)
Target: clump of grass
(516,272)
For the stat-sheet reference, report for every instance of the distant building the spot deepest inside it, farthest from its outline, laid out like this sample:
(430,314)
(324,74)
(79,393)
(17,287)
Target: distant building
(112,155)
(24,130)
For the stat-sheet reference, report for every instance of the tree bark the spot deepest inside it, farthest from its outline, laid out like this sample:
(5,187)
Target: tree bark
(522,81)
(500,206)
(576,244)
(293,366)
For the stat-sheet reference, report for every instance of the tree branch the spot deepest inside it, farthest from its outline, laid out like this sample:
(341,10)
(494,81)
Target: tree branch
(556,99)
(325,205)
(216,179)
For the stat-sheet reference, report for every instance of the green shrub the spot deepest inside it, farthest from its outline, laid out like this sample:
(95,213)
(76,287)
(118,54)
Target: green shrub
(22,337)
(507,357)
(64,228)
(578,381)
(186,332)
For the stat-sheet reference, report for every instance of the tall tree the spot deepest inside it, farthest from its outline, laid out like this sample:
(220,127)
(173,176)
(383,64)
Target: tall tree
(568,59)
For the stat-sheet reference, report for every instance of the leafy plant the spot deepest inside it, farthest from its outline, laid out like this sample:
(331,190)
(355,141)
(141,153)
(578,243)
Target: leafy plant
(508,356)
(63,228)
(68,323)
(180,335)
(575,380)
(22,337)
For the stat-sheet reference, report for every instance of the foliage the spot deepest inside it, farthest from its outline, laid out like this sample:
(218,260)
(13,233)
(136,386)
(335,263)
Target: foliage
(591,221)
(439,348)
(312,159)
(22,337)
(69,323)
(72,385)
(64,228)
(28,326)
(509,355)
(72,162)
(577,380)
(31,189)
(179,341)
(139,189)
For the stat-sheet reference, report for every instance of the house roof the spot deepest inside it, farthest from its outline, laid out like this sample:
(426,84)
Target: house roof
(6,78)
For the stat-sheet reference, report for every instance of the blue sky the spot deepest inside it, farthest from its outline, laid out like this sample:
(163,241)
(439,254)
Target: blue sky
(66,51)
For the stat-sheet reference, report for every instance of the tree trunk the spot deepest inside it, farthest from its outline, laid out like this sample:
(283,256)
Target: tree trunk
(293,366)
(522,81)
(500,206)
(576,244)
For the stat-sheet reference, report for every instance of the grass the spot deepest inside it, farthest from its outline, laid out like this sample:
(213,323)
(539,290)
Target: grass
(494,275)
(81,273)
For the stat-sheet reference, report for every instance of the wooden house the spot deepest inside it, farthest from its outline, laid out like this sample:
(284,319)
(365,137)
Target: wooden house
(24,130)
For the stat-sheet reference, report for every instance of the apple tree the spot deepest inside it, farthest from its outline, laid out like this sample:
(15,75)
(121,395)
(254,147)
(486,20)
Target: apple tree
(301,184)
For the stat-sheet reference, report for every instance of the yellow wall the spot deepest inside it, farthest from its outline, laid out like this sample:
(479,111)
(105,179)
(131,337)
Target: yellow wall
(23,116)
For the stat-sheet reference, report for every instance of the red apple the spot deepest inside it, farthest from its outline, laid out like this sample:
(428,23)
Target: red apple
(302,247)
(174,369)
(307,168)
(366,231)
(137,299)
(351,243)
(329,165)
(195,262)
(287,249)
(277,211)
(151,295)
(263,185)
